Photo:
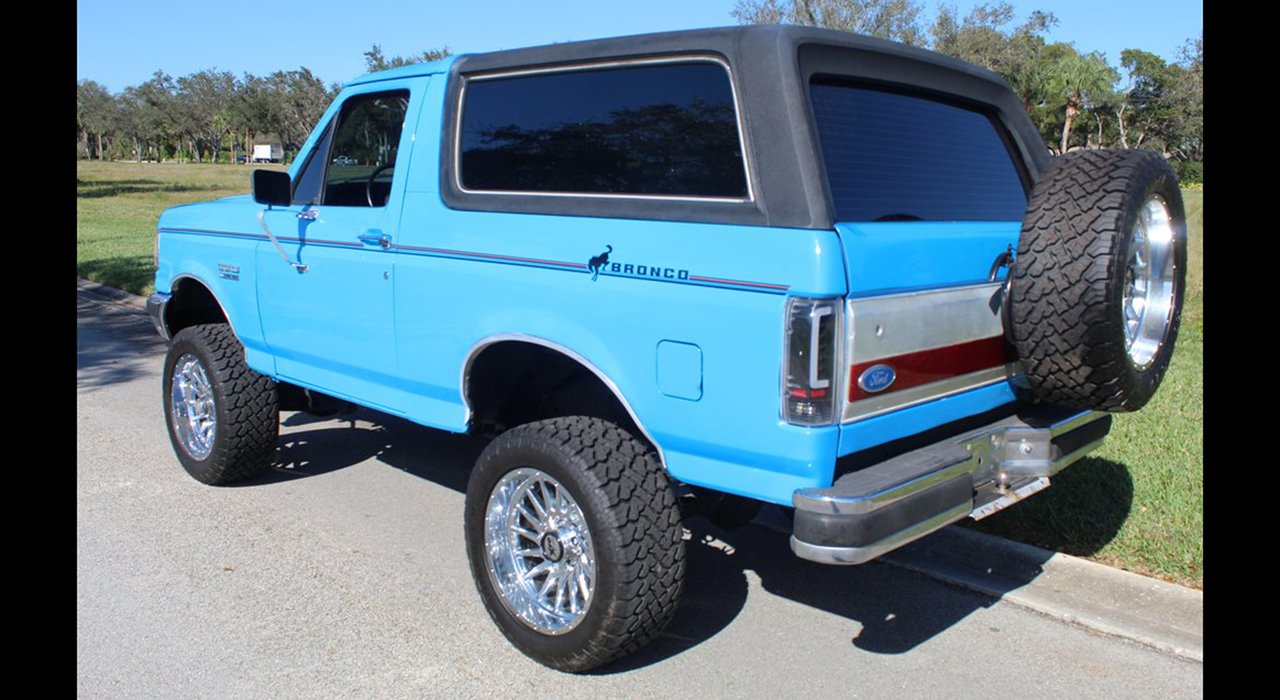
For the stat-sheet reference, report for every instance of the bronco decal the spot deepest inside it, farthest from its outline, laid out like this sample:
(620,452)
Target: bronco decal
(596,265)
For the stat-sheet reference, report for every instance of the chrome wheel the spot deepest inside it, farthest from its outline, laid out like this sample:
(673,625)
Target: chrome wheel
(195,421)
(538,551)
(1149,288)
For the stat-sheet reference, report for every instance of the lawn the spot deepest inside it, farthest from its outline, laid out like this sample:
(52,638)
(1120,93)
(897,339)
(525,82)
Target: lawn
(117,205)
(1138,503)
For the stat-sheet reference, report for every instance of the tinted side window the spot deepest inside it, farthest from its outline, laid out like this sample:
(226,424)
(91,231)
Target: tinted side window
(657,129)
(363,157)
(897,157)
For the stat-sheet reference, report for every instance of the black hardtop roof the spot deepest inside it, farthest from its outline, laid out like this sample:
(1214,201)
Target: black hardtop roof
(772,66)
(778,39)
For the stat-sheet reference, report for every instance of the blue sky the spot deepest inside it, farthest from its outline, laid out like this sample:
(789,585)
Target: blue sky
(120,48)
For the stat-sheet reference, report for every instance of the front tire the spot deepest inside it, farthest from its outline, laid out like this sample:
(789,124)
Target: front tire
(575,541)
(223,417)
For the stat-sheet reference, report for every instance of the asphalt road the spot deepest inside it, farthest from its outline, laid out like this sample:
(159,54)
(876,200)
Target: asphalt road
(341,573)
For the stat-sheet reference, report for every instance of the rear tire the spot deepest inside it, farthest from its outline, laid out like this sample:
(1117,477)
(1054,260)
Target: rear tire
(612,527)
(222,416)
(1097,285)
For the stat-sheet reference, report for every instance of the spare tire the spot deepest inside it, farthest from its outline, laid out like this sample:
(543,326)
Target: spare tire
(1096,287)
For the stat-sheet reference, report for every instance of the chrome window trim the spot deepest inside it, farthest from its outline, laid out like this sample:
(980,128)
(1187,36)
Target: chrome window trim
(688,58)
(464,377)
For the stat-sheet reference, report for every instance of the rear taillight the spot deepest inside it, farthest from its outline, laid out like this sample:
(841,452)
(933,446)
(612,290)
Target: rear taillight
(811,373)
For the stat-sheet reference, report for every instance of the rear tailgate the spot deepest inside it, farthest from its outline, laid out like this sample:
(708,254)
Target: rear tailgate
(927,195)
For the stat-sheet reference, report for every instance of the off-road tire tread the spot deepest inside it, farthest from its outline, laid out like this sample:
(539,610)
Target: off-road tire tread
(249,423)
(633,486)
(1065,330)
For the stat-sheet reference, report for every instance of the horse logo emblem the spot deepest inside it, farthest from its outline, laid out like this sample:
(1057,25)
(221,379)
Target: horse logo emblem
(598,262)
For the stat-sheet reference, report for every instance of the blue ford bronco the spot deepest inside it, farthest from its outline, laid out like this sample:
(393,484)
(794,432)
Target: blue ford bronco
(680,273)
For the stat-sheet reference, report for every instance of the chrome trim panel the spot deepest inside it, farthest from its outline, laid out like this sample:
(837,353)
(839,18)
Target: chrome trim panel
(737,110)
(878,405)
(464,377)
(887,326)
(898,324)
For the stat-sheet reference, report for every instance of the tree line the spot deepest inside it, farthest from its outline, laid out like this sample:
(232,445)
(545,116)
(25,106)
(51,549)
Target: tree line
(209,114)
(1077,100)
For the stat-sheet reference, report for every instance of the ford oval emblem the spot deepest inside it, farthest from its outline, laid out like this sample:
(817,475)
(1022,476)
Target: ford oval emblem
(876,378)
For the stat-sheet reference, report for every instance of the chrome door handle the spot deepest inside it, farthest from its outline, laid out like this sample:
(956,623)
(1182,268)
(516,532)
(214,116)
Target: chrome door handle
(376,237)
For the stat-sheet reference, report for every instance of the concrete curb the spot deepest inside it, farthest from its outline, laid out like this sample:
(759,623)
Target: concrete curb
(102,291)
(1160,615)
(1100,598)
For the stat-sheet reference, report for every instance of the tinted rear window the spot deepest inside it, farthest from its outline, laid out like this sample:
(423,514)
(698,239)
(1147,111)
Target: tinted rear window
(897,157)
(661,129)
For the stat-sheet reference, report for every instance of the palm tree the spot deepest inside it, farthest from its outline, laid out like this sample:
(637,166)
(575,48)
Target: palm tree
(1078,79)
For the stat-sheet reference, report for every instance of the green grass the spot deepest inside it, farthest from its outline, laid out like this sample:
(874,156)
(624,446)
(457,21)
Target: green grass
(1138,503)
(118,204)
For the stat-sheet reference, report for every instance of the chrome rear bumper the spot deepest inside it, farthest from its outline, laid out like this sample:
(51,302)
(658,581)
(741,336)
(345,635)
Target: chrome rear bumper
(881,507)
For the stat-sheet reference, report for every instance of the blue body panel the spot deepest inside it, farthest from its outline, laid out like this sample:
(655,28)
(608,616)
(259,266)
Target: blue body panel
(195,239)
(333,328)
(909,421)
(898,256)
(394,328)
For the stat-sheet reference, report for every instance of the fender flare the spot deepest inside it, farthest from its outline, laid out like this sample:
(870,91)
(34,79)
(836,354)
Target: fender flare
(464,377)
(177,280)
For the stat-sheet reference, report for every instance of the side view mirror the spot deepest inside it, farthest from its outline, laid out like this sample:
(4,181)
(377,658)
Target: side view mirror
(272,187)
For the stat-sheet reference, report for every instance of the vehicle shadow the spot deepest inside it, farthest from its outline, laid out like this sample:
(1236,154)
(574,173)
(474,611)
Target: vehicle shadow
(1088,504)
(97,189)
(890,610)
(312,446)
(114,343)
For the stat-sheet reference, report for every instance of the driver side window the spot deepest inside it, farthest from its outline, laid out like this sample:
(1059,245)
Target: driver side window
(362,155)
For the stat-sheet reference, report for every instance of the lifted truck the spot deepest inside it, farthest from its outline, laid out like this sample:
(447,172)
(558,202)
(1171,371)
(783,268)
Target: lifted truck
(675,273)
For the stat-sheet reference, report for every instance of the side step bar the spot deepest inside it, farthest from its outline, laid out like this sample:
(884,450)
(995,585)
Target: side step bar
(879,508)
